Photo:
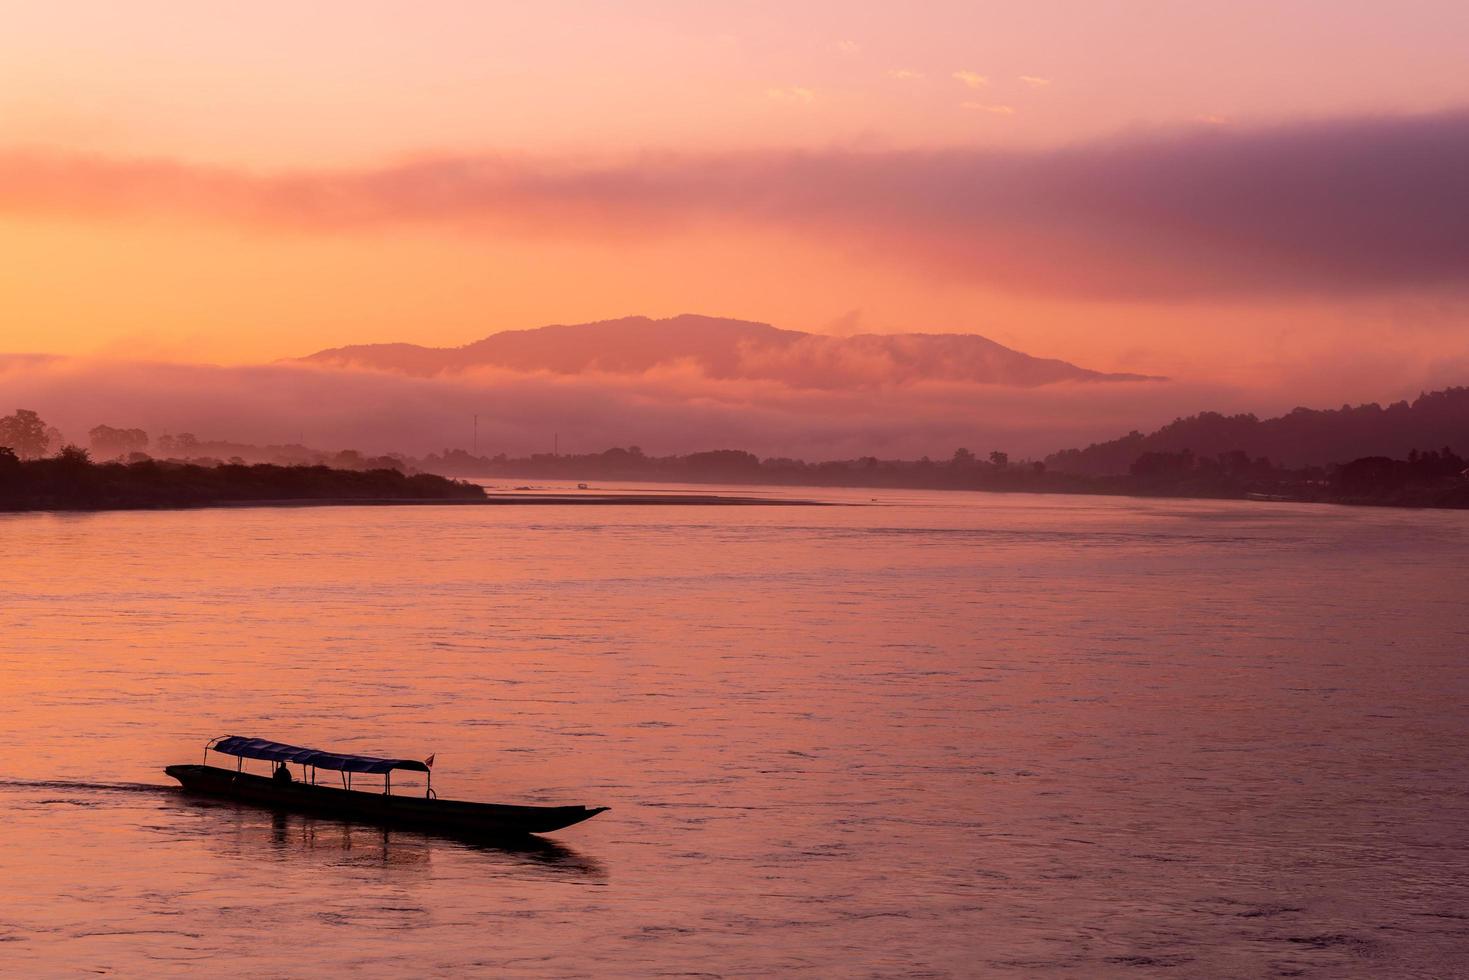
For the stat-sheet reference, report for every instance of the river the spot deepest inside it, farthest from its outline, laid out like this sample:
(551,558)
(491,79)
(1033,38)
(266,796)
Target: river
(937,734)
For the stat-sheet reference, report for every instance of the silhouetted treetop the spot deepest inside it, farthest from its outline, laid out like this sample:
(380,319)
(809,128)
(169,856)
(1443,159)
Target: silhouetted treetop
(110,443)
(25,433)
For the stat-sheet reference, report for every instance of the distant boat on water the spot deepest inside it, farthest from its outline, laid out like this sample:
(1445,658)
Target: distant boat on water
(285,792)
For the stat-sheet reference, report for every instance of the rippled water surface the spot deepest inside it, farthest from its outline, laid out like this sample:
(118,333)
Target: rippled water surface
(939,734)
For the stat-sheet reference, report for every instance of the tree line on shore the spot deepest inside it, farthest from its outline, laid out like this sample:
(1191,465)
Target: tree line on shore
(32,478)
(1302,437)
(197,469)
(1435,478)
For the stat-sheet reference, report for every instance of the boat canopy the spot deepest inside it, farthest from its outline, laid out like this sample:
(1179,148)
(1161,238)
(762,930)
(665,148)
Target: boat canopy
(259,748)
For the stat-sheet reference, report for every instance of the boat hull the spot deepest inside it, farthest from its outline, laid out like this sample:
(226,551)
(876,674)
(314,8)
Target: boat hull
(450,816)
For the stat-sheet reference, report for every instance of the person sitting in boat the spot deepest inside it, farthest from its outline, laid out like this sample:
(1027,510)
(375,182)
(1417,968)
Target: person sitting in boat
(282,774)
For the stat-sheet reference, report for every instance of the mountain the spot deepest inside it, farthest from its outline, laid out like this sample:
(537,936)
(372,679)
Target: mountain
(727,350)
(1304,437)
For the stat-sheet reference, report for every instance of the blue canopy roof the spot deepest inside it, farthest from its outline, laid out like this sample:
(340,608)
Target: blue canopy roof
(259,748)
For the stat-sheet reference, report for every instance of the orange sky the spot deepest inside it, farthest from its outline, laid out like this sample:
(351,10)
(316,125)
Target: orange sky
(239,114)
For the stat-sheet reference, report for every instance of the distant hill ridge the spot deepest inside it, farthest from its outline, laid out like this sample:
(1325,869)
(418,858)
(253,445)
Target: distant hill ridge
(1303,437)
(728,349)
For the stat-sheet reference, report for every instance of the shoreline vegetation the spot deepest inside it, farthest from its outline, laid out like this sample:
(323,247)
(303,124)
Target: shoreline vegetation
(119,474)
(70,481)
(1437,478)
(1366,454)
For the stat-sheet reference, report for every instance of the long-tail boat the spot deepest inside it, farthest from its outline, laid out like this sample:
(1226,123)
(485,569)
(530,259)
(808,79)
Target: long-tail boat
(284,791)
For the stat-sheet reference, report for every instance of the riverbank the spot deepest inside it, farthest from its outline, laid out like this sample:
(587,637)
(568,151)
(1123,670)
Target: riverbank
(548,499)
(74,483)
(70,481)
(492,500)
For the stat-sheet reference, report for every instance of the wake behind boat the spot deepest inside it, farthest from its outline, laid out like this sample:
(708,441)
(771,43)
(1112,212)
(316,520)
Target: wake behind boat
(307,795)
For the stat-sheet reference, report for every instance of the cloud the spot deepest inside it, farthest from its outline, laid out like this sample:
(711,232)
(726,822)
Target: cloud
(997,110)
(903,74)
(848,47)
(670,410)
(793,93)
(1326,207)
(845,325)
(972,79)
(1034,81)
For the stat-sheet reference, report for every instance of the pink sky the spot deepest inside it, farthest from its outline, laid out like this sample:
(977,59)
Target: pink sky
(1249,194)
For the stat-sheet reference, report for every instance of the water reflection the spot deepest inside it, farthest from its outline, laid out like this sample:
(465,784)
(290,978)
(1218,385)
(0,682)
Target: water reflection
(286,836)
(290,835)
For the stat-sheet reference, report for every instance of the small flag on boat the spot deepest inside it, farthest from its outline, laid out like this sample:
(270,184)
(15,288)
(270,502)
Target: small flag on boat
(430,761)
